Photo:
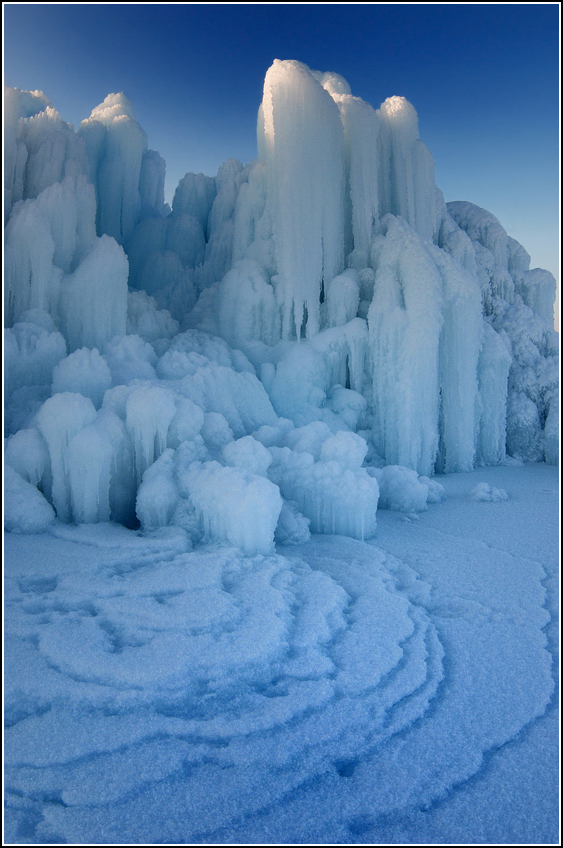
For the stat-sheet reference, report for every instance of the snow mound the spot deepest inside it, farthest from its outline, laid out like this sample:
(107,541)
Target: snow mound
(400,489)
(25,508)
(484,492)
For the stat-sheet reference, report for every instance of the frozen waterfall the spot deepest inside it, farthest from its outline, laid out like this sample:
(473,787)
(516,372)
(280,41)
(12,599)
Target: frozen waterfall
(287,348)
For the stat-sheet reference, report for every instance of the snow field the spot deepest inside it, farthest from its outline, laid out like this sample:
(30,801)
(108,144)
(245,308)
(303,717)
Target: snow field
(383,678)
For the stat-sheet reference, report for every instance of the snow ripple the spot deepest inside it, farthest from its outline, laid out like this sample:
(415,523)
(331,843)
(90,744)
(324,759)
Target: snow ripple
(178,699)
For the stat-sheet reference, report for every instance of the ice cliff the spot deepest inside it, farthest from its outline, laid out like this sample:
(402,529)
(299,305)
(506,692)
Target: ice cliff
(294,342)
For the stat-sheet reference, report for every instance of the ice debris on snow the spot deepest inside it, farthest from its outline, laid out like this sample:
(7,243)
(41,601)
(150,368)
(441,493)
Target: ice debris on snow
(487,493)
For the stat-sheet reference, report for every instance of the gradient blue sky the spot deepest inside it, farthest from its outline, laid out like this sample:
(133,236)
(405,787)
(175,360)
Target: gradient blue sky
(484,79)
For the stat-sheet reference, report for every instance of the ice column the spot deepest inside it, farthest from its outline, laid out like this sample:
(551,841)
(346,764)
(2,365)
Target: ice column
(494,366)
(115,145)
(405,321)
(407,186)
(44,237)
(303,147)
(59,420)
(94,297)
(361,133)
(460,342)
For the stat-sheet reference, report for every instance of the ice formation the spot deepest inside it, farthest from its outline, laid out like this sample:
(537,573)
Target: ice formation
(288,347)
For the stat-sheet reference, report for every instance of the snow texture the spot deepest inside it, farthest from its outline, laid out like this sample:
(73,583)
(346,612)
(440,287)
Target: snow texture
(331,692)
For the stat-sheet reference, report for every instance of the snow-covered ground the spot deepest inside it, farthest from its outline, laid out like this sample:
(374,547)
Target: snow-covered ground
(336,691)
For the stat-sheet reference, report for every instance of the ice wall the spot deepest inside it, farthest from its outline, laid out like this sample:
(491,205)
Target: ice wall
(55,263)
(39,147)
(290,346)
(518,303)
(176,256)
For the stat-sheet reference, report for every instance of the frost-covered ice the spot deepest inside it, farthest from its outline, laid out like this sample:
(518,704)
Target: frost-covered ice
(297,347)
(328,691)
(484,492)
(325,285)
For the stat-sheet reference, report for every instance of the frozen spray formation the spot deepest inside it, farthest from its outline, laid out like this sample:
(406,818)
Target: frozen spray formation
(278,349)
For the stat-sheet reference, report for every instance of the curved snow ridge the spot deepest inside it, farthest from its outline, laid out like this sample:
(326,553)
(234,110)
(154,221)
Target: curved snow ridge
(498,671)
(266,665)
(229,690)
(497,684)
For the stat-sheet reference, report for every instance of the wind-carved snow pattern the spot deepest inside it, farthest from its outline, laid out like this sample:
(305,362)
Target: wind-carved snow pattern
(316,694)
(190,394)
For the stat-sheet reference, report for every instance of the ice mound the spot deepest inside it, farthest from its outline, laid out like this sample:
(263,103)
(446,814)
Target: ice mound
(157,496)
(31,352)
(235,506)
(25,508)
(27,453)
(292,527)
(130,358)
(85,372)
(335,494)
(144,319)
(248,453)
(485,492)
(402,489)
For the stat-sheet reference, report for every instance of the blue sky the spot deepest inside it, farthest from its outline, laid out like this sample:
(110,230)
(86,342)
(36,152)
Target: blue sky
(484,79)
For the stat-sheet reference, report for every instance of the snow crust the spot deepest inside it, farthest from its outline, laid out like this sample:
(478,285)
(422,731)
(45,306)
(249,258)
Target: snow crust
(316,329)
(332,691)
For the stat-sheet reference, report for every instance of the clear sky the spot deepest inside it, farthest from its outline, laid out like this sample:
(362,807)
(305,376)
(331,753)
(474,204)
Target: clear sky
(484,79)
